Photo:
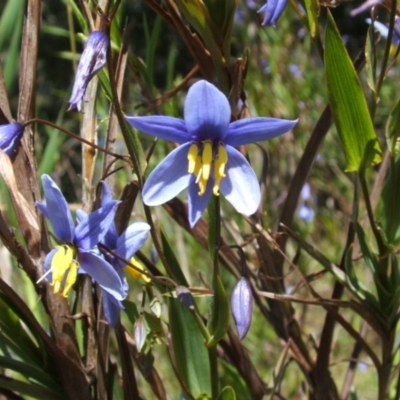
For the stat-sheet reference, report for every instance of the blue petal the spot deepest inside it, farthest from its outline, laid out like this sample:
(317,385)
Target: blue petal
(80,215)
(110,239)
(103,273)
(197,204)
(207,112)
(92,229)
(57,210)
(10,135)
(251,130)
(168,179)
(168,128)
(47,264)
(106,196)
(131,240)
(240,186)
(112,309)
(273,10)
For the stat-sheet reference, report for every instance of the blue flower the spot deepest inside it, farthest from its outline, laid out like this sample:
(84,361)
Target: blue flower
(125,245)
(206,160)
(92,60)
(305,212)
(78,253)
(384,30)
(273,10)
(10,135)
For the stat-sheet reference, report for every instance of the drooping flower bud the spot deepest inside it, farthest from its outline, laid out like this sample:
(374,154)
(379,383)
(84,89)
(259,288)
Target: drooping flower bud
(185,297)
(92,60)
(10,135)
(242,306)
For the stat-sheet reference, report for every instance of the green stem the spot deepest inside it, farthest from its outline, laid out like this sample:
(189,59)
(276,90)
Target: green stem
(212,356)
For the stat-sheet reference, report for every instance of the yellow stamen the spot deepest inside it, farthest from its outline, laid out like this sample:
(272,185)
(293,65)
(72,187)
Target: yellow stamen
(192,158)
(206,160)
(62,261)
(219,168)
(71,277)
(135,272)
(201,160)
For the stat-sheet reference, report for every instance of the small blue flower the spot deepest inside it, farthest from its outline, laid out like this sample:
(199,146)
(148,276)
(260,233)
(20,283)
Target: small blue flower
(10,135)
(206,160)
(92,60)
(125,245)
(305,212)
(273,10)
(79,252)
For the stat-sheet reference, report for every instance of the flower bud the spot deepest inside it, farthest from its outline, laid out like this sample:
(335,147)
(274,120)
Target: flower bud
(242,306)
(10,135)
(185,297)
(92,60)
(140,333)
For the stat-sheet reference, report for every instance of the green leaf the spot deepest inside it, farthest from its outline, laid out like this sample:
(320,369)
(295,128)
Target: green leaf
(173,262)
(390,210)
(312,7)
(191,355)
(29,371)
(348,104)
(393,130)
(29,389)
(227,393)
(219,321)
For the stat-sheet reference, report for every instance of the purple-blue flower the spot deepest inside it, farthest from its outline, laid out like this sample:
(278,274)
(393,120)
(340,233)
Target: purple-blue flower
(273,10)
(10,135)
(78,253)
(92,60)
(305,212)
(125,245)
(206,160)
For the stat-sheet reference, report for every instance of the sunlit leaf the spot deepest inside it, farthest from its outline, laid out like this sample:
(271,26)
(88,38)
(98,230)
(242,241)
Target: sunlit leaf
(348,104)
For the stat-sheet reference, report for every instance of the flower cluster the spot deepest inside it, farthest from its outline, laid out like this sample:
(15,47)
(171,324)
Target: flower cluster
(78,250)
(207,161)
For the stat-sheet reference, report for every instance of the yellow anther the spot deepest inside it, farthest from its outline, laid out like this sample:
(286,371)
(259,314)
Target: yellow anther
(192,158)
(206,159)
(201,162)
(219,168)
(60,264)
(71,277)
(135,272)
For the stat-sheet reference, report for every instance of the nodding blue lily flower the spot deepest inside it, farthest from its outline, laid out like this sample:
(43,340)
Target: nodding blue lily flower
(10,135)
(78,253)
(384,30)
(125,245)
(93,59)
(206,160)
(273,10)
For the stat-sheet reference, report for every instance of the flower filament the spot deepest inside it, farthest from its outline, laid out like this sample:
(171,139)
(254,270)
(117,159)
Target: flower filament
(64,269)
(202,157)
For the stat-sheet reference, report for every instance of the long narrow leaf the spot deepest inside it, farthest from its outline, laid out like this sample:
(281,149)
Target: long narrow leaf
(348,104)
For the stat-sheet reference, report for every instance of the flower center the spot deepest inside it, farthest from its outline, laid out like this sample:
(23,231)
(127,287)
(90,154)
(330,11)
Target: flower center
(202,157)
(64,268)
